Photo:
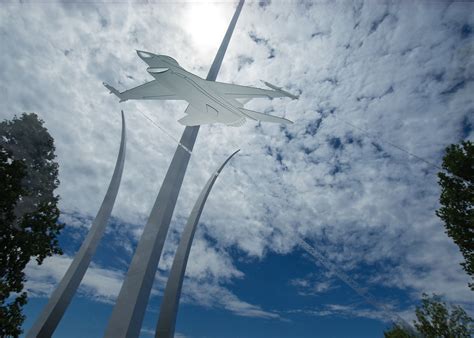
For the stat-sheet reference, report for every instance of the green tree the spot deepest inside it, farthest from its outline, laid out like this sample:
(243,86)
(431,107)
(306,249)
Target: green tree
(457,200)
(398,332)
(28,210)
(435,320)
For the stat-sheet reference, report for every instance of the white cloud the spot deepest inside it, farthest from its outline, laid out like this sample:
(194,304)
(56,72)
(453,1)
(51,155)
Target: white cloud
(206,272)
(401,71)
(351,310)
(214,295)
(307,287)
(99,284)
(151,332)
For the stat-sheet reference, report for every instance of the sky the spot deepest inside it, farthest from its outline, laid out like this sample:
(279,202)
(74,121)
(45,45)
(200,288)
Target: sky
(379,82)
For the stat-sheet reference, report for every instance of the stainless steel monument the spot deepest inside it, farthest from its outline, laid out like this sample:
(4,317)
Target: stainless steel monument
(61,297)
(209,102)
(169,305)
(127,315)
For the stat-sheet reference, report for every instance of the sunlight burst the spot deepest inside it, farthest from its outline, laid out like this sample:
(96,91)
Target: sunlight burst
(206,23)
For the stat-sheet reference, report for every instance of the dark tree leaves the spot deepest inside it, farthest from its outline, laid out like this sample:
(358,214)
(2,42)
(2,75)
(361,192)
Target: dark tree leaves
(435,320)
(457,200)
(398,332)
(28,210)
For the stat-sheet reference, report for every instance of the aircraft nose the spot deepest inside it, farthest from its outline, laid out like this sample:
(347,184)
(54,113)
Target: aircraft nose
(144,55)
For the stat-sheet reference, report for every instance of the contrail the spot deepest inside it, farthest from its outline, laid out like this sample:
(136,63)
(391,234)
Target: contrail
(367,296)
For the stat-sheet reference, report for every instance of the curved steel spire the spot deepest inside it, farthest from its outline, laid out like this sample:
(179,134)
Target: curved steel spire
(61,297)
(127,315)
(170,303)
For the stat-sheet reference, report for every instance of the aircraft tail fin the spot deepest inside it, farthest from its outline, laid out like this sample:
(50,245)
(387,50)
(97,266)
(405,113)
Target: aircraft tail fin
(264,117)
(114,91)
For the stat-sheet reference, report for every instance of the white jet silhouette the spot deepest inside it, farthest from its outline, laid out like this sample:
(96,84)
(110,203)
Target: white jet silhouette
(209,101)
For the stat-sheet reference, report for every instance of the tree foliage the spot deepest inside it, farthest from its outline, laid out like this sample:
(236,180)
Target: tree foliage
(28,210)
(435,320)
(398,332)
(457,200)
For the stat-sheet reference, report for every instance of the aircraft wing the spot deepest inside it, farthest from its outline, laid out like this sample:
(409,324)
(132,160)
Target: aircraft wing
(246,92)
(152,90)
(254,115)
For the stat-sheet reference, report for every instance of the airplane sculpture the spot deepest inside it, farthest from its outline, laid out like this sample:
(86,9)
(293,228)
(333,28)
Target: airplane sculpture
(209,101)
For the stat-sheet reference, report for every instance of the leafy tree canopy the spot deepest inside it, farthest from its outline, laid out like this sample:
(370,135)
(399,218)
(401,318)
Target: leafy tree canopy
(457,200)
(28,210)
(435,320)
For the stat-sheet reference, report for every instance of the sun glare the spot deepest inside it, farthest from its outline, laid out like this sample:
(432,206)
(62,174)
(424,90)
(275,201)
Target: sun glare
(206,23)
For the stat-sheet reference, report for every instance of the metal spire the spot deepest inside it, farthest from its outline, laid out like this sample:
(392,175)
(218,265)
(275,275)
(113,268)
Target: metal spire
(170,302)
(61,297)
(127,315)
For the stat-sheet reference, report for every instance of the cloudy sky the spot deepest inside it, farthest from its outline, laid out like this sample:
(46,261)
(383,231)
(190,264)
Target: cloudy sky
(378,82)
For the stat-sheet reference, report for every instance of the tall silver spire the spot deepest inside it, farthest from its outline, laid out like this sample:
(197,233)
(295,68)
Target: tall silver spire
(61,297)
(127,315)
(170,302)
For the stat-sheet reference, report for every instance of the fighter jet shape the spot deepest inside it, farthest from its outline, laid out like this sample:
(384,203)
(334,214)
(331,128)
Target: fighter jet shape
(209,101)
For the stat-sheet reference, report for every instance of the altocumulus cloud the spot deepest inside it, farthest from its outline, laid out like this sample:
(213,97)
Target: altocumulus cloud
(401,71)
